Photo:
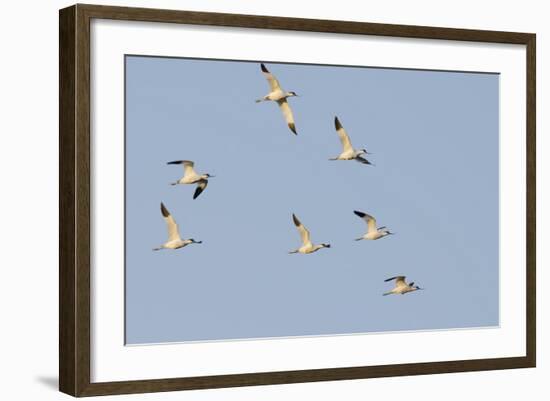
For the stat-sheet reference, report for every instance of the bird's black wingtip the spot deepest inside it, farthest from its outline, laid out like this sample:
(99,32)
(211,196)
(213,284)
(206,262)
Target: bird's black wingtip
(264,69)
(163,210)
(358,213)
(198,191)
(337,124)
(295,219)
(293,128)
(175,162)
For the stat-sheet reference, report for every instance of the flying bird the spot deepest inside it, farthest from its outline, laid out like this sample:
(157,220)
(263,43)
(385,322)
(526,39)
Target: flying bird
(277,94)
(190,176)
(174,238)
(307,245)
(401,287)
(348,152)
(373,232)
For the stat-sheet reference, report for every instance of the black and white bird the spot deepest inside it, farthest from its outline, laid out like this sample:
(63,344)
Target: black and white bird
(174,238)
(277,94)
(307,245)
(373,232)
(190,176)
(401,286)
(348,152)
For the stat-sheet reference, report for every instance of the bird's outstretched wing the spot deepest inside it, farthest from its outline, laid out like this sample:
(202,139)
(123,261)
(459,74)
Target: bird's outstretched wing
(304,233)
(362,160)
(399,281)
(273,82)
(371,221)
(188,166)
(201,185)
(287,113)
(342,134)
(400,278)
(173,231)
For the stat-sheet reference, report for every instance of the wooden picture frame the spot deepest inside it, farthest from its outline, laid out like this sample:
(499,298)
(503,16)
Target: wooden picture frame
(75,208)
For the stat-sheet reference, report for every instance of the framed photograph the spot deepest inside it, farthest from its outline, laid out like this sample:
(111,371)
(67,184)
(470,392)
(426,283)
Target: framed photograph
(250,200)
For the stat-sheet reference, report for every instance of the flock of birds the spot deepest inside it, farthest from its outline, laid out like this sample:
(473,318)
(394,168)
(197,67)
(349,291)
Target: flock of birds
(280,96)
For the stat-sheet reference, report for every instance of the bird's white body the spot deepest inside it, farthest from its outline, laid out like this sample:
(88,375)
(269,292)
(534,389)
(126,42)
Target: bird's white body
(276,95)
(190,176)
(309,248)
(176,244)
(373,232)
(279,95)
(348,152)
(174,239)
(401,286)
(307,245)
(375,235)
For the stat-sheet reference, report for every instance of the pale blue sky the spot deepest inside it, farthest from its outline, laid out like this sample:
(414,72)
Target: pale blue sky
(434,136)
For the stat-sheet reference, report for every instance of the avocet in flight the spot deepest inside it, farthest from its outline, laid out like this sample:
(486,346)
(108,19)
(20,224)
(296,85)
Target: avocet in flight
(401,286)
(348,152)
(307,245)
(190,176)
(277,94)
(174,238)
(373,232)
